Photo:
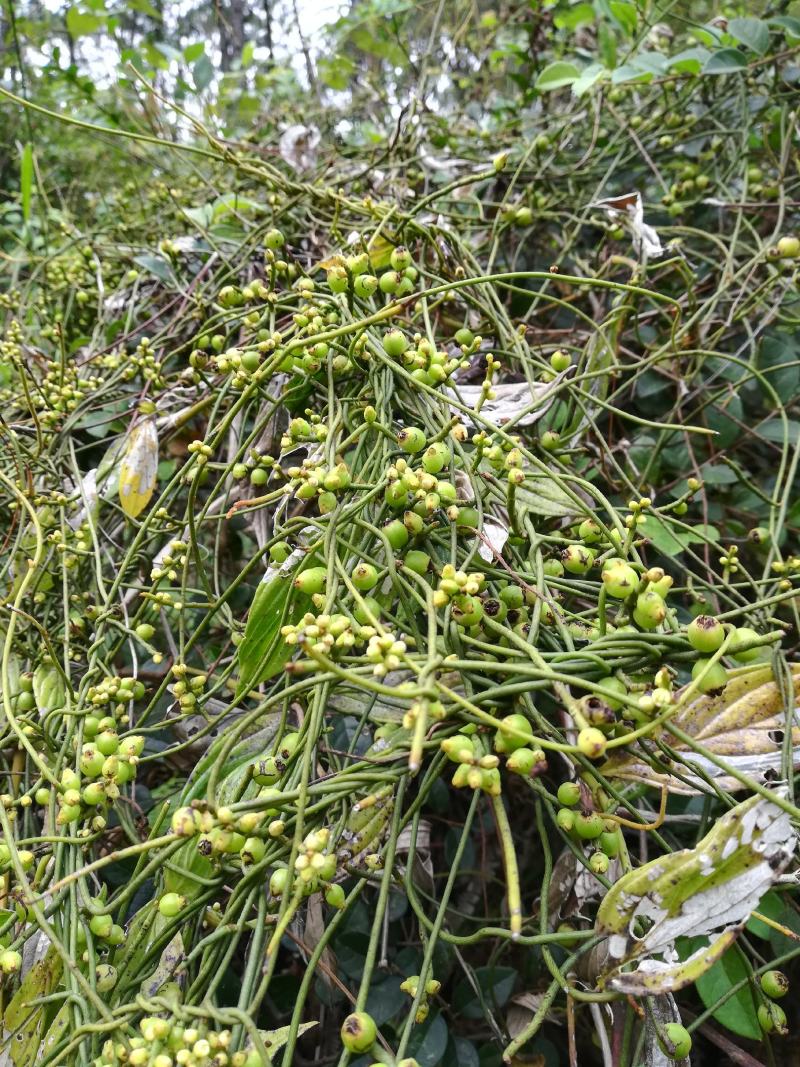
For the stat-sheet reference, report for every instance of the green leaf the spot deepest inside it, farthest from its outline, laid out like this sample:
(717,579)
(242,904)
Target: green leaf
(624,14)
(429,1040)
(49,690)
(26,180)
(738,1013)
(725,61)
(193,51)
(157,265)
(575,17)
(263,651)
(556,76)
(788,23)
(690,61)
(496,985)
(590,76)
(771,905)
(753,33)
(671,539)
(774,430)
(82,24)
(202,73)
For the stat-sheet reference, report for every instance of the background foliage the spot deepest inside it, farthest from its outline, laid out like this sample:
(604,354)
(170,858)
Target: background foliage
(150,154)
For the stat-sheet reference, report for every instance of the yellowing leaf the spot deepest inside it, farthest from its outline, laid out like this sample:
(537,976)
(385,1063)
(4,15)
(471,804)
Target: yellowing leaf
(744,724)
(697,891)
(24,1019)
(137,476)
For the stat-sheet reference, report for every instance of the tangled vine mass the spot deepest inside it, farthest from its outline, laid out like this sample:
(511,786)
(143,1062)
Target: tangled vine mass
(399,593)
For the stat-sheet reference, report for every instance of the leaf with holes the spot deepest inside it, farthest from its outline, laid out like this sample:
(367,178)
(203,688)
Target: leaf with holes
(744,724)
(711,889)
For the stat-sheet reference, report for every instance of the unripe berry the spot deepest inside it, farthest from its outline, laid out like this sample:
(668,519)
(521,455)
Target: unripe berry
(171,904)
(525,761)
(677,1042)
(592,743)
(335,896)
(359,1032)
(709,679)
(788,247)
(569,793)
(400,258)
(565,819)
(311,580)
(620,581)
(10,961)
(508,740)
(589,825)
(772,1018)
(411,439)
(394,343)
(599,862)
(775,984)
(577,559)
(650,610)
(705,634)
(364,577)
(560,361)
(743,636)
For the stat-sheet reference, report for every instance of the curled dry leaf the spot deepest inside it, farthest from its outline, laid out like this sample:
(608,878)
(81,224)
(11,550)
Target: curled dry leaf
(744,724)
(509,400)
(710,889)
(629,209)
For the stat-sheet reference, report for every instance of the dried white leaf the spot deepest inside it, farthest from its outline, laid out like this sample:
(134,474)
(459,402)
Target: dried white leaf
(510,398)
(298,146)
(629,210)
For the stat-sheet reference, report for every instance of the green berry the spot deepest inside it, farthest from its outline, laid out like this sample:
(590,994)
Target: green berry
(569,793)
(364,577)
(312,580)
(171,904)
(359,1031)
(435,457)
(560,361)
(592,743)
(772,1018)
(677,1041)
(650,610)
(788,247)
(589,825)
(705,634)
(394,343)
(599,863)
(417,561)
(411,439)
(565,819)
(775,984)
(365,285)
(100,925)
(525,761)
(335,896)
(259,476)
(506,741)
(464,337)
(709,679)
(620,581)
(400,258)
(742,637)
(396,534)
(577,559)
(144,631)
(274,239)
(610,842)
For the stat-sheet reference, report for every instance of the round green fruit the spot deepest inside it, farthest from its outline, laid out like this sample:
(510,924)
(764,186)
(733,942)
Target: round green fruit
(359,1032)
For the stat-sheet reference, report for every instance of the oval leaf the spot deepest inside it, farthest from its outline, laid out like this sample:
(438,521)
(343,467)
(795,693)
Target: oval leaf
(139,469)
